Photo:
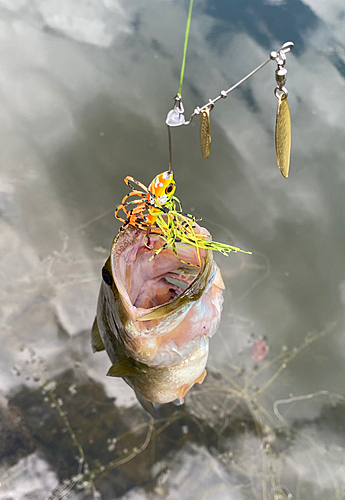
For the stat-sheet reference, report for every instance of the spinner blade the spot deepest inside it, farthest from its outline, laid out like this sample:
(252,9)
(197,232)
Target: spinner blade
(283,135)
(205,133)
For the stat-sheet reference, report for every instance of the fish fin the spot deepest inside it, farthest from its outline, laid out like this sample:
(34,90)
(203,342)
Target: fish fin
(148,406)
(182,392)
(177,402)
(185,387)
(200,379)
(123,368)
(218,280)
(96,339)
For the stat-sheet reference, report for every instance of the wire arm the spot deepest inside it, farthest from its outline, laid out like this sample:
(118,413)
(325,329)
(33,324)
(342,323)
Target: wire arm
(274,56)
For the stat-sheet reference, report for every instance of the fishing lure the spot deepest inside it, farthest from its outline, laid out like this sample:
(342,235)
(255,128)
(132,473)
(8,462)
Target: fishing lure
(157,210)
(283,119)
(152,201)
(176,118)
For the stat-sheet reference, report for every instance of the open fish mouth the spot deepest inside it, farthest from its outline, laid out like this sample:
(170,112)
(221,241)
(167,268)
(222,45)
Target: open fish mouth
(168,308)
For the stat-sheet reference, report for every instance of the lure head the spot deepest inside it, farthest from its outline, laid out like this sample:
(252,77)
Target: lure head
(162,187)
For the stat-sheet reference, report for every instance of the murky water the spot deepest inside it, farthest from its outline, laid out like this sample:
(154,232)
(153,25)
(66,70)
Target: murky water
(85,88)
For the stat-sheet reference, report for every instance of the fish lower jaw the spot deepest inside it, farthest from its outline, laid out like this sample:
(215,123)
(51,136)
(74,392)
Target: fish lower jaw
(170,354)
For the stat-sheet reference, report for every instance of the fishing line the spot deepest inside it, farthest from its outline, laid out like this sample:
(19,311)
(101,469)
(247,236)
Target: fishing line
(185,46)
(170,149)
(175,116)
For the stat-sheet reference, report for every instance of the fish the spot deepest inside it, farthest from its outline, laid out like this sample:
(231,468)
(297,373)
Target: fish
(155,317)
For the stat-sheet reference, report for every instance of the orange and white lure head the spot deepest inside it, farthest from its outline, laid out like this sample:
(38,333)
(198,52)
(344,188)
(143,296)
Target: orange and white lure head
(162,188)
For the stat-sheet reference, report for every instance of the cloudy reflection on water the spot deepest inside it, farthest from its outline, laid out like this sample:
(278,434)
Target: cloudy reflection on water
(85,87)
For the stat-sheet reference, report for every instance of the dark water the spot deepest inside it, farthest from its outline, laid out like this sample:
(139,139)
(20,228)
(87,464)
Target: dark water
(84,91)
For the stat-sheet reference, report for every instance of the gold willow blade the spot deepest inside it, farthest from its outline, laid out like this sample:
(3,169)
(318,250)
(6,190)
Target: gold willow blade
(205,133)
(283,135)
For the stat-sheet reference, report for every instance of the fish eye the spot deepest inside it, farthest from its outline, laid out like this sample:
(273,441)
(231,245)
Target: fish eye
(169,188)
(107,278)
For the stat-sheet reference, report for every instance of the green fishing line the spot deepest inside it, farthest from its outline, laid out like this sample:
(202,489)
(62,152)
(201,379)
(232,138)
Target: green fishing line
(185,46)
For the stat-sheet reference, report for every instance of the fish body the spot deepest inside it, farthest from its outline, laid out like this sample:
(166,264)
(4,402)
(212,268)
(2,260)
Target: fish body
(155,318)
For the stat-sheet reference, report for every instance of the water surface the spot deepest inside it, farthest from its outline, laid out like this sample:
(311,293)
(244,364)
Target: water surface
(85,88)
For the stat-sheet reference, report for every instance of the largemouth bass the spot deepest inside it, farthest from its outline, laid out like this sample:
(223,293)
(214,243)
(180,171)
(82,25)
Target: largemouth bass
(155,318)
